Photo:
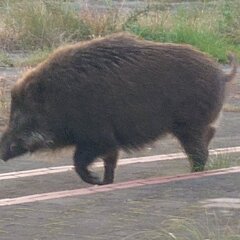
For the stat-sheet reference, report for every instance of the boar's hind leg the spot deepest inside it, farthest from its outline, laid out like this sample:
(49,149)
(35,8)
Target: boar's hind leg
(82,159)
(209,133)
(195,144)
(110,161)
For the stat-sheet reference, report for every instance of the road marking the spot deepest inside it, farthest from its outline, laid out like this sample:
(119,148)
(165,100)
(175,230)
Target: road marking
(35,172)
(231,203)
(113,187)
(148,159)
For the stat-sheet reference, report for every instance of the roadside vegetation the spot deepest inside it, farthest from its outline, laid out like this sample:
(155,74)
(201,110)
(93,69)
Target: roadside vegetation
(4,105)
(208,226)
(220,161)
(31,29)
(37,27)
(211,226)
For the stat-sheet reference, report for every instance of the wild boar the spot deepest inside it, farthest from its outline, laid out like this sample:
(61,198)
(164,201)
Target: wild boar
(112,93)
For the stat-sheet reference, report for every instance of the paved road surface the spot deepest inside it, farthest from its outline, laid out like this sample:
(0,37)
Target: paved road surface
(210,205)
(137,207)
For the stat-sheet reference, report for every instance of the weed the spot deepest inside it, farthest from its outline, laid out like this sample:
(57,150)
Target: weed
(198,26)
(221,161)
(209,225)
(229,20)
(103,22)
(211,26)
(40,24)
(177,228)
(4,106)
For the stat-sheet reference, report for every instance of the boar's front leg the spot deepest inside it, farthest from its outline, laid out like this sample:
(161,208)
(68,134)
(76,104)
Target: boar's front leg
(110,162)
(82,159)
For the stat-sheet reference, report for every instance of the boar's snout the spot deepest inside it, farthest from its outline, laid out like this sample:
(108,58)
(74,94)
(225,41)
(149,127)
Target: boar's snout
(10,149)
(15,144)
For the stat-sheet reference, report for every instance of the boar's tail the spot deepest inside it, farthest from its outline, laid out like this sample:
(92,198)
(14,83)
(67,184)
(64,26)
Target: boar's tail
(234,64)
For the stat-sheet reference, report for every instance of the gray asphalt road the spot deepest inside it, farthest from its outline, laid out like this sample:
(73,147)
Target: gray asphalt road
(150,212)
(205,208)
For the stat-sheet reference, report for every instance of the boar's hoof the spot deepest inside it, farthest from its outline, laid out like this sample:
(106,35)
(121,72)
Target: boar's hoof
(89,177)
(108,178)
(105,182)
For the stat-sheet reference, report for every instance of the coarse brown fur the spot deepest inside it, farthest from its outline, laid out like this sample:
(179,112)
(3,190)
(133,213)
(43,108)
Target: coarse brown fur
(113,93)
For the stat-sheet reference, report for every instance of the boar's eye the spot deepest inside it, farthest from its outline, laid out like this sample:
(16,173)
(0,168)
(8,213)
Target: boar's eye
(13,147)
(16,149)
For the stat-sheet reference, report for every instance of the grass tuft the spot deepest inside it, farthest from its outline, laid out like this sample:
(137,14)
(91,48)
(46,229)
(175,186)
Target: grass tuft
(208,227)
(219,162)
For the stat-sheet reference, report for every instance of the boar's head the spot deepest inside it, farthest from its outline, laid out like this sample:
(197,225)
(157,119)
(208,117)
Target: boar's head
(26,130)
(22,137)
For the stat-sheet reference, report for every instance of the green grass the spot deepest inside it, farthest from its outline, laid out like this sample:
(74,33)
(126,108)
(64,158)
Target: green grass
(223,161)
(204,41)
(30,25)
(204,27)
(33,58)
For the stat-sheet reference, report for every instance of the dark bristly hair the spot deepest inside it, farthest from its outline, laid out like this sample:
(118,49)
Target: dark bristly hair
(117,92)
